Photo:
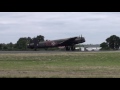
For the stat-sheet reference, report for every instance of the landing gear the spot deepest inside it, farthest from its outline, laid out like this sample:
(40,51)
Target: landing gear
(73,48)
(68,48)
(35,49)
(46,49)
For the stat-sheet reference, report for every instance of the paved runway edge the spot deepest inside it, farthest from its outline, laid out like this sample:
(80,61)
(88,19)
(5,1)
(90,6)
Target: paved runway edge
(15,52)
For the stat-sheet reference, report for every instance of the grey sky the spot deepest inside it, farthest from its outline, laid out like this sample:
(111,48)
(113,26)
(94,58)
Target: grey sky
(94,26)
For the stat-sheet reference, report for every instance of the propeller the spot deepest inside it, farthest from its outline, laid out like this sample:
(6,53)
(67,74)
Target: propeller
(81,36)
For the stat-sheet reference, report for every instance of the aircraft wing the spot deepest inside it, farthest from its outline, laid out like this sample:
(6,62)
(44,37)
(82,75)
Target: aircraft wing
(67,42)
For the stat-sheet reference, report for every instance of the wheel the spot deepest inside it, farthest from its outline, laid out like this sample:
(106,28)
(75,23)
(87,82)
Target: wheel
(73,48)
(35,49)
(67,48)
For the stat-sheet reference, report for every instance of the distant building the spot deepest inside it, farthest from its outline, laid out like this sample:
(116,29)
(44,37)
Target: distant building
(92,47)
(88,47)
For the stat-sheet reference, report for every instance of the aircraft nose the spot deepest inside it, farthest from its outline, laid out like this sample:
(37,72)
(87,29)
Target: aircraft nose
(83,39)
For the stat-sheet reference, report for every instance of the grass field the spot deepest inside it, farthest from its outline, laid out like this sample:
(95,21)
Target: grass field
(60,65)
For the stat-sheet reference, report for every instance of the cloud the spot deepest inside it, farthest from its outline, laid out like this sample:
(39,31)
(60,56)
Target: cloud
(95,26)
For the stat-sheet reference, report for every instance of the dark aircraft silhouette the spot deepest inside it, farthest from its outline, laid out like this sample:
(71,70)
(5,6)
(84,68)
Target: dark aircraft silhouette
(69,43)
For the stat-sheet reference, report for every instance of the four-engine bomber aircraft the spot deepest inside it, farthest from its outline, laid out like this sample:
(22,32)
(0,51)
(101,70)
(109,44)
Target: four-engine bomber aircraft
(69,43)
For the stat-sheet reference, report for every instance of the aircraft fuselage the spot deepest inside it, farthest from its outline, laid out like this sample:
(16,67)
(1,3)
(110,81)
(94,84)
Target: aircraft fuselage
(68,42)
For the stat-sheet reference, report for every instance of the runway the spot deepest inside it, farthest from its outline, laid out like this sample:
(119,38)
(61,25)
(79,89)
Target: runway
(15,52)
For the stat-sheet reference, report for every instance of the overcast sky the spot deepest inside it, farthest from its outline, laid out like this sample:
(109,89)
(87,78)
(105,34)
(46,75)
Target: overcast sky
(94,26)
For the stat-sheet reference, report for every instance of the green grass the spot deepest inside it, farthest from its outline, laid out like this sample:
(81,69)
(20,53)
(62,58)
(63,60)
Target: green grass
(61,65)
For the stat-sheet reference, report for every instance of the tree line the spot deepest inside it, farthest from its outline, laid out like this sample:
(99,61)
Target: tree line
(111,43)
(21,44)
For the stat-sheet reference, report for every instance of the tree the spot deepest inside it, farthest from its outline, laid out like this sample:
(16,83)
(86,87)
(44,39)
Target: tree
(29,40)
(5,47)
(40,38)
(104,46)
(113,42)
(1,46)
(22,43)
(10,46)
